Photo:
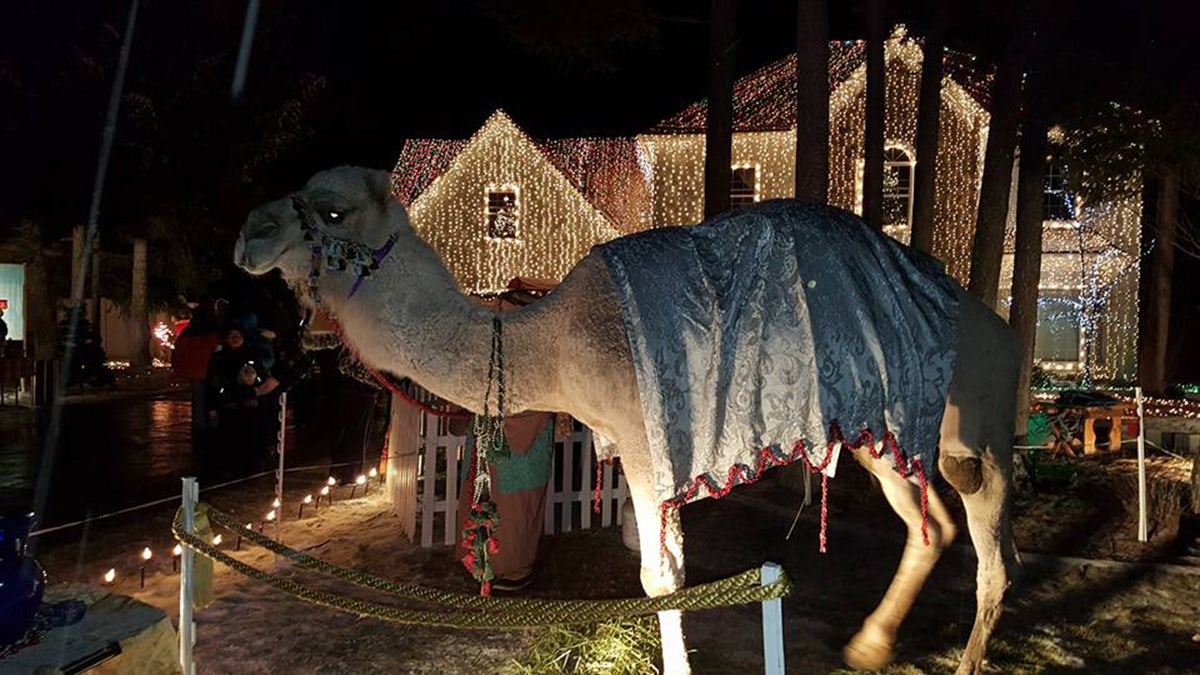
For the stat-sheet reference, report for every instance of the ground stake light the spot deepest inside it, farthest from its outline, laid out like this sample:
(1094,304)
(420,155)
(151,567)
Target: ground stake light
(307,500)
(327,495)
(361,480)
(147,554)
(175,553)
(237,545)
(110,576)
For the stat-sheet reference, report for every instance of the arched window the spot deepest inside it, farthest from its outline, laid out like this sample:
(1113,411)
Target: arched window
(897,190)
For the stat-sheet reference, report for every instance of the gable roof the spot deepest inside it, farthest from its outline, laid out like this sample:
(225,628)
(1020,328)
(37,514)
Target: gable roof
(765,100)
(612,174)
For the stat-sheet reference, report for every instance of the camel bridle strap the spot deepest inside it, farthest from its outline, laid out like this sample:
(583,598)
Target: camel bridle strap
(338,253)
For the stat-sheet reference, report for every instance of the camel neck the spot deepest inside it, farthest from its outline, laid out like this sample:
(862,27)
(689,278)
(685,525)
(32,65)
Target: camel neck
(410,320)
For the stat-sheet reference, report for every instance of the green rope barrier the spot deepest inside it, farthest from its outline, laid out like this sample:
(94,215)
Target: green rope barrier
(472,611)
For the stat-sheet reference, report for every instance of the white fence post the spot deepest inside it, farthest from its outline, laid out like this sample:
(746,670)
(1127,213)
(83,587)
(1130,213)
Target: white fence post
(279,445)
(187,629)
(567,496)
(429,482)
(772,611)
(1143,534)
(430,441)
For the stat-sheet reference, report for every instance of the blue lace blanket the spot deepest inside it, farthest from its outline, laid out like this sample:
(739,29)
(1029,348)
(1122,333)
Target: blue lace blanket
(776,324)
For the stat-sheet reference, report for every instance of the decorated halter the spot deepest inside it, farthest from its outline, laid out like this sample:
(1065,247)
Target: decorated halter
(338,253)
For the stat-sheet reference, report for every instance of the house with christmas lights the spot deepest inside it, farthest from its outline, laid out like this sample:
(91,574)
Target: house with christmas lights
(568,195)
(500,205)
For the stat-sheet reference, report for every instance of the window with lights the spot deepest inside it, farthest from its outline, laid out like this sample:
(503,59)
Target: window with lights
(1057,203)
(744,186)
(502,211)
(898,168)
(1058,329)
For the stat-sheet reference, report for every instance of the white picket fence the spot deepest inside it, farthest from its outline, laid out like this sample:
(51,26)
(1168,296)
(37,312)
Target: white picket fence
(426,463)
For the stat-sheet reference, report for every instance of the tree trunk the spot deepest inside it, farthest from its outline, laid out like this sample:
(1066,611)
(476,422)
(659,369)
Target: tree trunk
(929,108)
(1196,482)
(988,246)
(874,126)
(77,270)
(1152,359)
(138,312)
(41,309)
(1027,261)
(94,265)
(812,100)
(718,141)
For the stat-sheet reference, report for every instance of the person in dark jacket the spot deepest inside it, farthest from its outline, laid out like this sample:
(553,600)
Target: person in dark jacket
(236,381)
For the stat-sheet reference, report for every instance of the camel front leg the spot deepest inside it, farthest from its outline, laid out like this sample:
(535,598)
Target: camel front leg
(871,647)
(662,573)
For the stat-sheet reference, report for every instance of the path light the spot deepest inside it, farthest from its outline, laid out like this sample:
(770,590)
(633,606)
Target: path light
(217,540)
(110,576)
(237,545)
(374,473)
(331,482)
(361,480)
(175,553)
(276,504)
(325,493)
(307,500)
(147,554)
(270,517)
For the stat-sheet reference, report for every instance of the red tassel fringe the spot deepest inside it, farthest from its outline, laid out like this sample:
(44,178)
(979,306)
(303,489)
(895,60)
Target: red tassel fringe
(740,474)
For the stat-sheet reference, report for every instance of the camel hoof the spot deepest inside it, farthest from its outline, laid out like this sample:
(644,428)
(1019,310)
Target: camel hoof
(865,653)
(965,474)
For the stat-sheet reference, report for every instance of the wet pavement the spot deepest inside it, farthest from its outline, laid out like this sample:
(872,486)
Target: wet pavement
(117,452)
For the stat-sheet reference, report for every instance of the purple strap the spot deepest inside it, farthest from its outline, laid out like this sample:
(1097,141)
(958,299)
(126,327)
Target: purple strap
(376,258)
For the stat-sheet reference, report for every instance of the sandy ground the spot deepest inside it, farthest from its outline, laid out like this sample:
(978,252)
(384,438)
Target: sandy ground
(1065,616)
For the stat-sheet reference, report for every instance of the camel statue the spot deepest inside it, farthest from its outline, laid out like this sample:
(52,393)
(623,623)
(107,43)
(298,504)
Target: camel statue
(410,319)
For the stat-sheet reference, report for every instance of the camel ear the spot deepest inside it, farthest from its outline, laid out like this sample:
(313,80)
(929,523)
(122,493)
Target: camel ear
(380,185)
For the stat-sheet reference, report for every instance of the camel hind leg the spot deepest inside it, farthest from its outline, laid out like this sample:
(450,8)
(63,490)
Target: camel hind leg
(976,458)
(991,534)
(871,646)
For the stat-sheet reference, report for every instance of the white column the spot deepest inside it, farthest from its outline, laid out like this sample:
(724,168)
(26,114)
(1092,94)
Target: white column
(1143,535)
(187,628)
(279,445)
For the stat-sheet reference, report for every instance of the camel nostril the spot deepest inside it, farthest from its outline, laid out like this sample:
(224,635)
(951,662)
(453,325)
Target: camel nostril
(264,230)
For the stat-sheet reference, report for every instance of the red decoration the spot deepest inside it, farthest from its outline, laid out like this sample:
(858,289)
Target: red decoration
(599,481)
(740,474)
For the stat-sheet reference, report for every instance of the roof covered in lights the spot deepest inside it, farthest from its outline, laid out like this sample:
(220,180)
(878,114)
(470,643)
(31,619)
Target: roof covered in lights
(766,99)
(611,173)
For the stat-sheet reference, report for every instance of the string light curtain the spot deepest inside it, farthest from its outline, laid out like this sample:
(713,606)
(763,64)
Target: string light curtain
(557,227)
(579,192)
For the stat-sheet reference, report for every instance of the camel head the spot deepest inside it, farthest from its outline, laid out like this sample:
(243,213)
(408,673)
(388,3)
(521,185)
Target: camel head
(349,203)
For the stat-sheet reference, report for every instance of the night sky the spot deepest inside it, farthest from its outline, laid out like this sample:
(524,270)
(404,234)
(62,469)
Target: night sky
(347,82)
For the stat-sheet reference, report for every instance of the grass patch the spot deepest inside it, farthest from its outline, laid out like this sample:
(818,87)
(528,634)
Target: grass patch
(621,647)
